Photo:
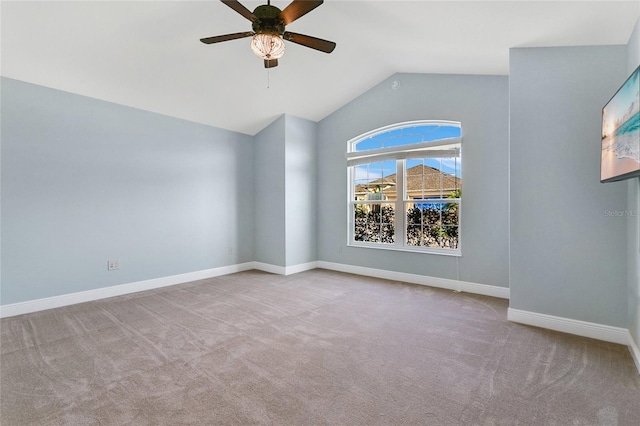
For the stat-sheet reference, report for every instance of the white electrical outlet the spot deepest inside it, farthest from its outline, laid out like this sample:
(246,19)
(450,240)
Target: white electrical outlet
(112,265)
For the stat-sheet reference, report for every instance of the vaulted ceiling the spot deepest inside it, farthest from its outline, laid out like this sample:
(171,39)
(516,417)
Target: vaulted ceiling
(147,54)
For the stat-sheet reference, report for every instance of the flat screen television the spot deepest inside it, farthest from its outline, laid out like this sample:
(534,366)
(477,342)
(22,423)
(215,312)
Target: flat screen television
(620,157)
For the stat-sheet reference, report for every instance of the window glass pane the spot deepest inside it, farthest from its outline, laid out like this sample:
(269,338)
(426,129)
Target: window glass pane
(432,224)
(387,222)
(375,181)
(451,173)
(414,179)
(449,237)
(430,237)
(388,187)
(412,162)
(374,222)
(432,178)
(450,213)
(408,136)
(414,225)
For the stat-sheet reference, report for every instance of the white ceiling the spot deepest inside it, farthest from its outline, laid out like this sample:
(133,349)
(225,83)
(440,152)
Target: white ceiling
(147,54)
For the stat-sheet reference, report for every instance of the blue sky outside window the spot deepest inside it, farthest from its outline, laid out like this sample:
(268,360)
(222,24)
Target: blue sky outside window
(408,136)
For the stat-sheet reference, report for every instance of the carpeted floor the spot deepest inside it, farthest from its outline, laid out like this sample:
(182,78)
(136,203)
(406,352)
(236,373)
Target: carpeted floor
(315,348)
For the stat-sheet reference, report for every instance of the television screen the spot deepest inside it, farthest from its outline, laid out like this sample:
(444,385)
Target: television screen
(620,158)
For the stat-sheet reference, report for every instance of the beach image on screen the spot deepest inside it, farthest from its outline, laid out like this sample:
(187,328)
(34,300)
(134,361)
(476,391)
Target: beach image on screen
(621,131)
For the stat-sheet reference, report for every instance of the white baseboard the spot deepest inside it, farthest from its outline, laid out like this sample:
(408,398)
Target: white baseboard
(36,305)
(468,287)
(300,268)
(29,306)
(267,267)
(635,351)
(284,270)
(606,333)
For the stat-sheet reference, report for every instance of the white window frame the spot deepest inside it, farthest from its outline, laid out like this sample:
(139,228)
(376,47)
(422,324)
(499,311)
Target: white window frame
(436,149)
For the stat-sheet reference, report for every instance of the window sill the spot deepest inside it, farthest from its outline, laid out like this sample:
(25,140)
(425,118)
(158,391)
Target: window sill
(391,247)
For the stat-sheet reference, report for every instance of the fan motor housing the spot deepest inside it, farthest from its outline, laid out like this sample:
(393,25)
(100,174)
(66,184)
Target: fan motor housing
(269,21)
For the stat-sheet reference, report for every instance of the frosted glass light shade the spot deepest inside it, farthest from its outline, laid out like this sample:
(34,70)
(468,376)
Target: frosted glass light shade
(267,46)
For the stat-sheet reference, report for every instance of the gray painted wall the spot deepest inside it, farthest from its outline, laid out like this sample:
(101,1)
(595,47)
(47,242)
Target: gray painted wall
(269,165)
(300,184)
(285,172)
(481,104)
(85,181)
(633,200)
(568,258)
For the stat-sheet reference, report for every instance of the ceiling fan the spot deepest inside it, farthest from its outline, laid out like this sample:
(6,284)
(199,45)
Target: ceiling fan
(268,24)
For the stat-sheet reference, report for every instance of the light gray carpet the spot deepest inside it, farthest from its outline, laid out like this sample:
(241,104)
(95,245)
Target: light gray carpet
(314,348)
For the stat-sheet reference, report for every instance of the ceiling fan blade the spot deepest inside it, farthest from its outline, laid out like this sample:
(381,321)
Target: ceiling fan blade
(270,63)
(308,41)
(235,5)
(226,37)
(298,8)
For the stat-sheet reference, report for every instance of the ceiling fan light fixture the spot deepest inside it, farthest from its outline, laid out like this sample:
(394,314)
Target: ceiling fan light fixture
(268,29)
(267,46)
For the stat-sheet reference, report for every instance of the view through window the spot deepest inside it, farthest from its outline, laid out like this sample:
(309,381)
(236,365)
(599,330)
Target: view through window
(405,187)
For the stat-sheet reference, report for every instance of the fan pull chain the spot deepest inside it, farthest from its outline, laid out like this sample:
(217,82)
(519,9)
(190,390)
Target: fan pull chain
(268,79)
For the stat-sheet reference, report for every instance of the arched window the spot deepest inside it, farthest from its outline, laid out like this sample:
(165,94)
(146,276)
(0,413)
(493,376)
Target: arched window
(405,187)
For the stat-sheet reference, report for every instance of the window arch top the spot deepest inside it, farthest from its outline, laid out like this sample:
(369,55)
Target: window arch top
(406,134)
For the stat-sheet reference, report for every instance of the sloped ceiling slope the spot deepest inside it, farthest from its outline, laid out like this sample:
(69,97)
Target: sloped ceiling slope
(147,54)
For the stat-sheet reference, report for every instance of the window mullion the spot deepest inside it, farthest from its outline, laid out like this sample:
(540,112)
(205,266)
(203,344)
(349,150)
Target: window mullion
(401,228)
(351,177)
